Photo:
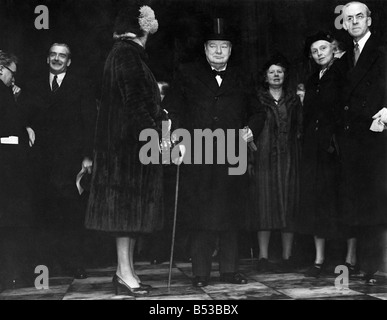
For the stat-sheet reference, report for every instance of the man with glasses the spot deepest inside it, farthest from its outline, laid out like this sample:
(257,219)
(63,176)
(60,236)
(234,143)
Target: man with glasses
(363,141)
(63,112)
(15,184)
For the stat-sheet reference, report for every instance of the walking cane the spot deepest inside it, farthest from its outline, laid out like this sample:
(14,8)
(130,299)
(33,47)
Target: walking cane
(174,227)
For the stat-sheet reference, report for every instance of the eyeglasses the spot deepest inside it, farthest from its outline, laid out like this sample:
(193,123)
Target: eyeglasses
(13,72)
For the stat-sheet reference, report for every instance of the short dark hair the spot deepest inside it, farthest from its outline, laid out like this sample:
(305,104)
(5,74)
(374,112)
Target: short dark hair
(6,59)
(60,45)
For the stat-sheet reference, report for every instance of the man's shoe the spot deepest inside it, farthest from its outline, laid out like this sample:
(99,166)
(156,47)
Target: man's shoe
(234,278)
(370,280)
(16,283)
(288,265)
(200,282)
(353,270)
(264,265)
(314,271)
(80,273)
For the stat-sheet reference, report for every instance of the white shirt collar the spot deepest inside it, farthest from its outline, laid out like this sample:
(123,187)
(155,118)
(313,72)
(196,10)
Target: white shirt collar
(59,78)
(219,78)
(223,69)
(363,41)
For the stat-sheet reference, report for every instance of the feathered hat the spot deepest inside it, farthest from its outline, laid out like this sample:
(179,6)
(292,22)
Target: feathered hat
(135,21)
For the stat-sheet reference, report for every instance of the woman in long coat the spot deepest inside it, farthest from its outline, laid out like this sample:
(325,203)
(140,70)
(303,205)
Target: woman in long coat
(126,196)
(319,214)
(274,167)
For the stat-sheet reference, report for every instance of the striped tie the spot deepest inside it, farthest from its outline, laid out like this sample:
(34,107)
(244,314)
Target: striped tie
(356,54)
(55,85)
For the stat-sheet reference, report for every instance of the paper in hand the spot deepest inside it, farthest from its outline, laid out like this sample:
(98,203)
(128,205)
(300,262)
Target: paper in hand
(377,125)
(10,140)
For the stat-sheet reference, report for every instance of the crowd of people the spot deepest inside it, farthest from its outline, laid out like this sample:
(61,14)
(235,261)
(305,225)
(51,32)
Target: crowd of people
(316,155)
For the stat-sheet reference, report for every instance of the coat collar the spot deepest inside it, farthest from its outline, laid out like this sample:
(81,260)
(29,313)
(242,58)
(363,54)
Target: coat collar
(203,73)
(266,98)
(367,58)
(138,48)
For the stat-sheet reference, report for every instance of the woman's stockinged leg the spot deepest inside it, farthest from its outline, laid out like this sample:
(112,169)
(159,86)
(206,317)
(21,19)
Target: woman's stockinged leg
(320,250)
(287,245)
(125,248)
(263,242)
(351,251)
(132,245)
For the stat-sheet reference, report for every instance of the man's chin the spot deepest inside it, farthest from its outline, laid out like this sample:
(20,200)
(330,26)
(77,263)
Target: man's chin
(56,71)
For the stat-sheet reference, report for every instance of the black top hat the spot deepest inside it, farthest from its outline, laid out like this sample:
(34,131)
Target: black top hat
(320,35)
(219,31)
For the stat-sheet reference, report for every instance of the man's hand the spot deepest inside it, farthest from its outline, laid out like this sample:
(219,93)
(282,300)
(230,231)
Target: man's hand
(178,160)
(380,121)
(381,115)
(247,136)
(31,136)
(16,91)
(87,164)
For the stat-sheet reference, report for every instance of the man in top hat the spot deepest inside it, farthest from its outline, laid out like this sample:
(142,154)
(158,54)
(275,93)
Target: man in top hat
(63,112)
(213,94)
(362,139)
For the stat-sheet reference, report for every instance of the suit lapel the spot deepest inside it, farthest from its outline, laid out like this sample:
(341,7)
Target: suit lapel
(203,74)
(228,81)
(365,62)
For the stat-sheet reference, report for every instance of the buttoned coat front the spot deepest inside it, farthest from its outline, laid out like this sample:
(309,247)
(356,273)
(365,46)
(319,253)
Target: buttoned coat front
(363,152)
(211,198)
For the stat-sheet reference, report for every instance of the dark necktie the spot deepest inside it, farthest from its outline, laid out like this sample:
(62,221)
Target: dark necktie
(356,54)
(219,73)
(55,85)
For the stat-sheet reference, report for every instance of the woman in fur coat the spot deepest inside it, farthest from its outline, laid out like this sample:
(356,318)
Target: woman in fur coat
(126,195)
(274,167)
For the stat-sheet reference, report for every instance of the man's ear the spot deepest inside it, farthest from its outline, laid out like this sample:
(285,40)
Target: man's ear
(69,62)
(369,21)
(48,60)
(345,26)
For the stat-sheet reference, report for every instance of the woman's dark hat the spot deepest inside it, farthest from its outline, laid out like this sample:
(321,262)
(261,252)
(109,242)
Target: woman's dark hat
(320,35)
(219,31)
(275,59)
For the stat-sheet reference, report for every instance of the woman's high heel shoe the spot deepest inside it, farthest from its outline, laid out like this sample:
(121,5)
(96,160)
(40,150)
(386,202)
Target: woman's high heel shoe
(145,286)
(121,285)
(142,285)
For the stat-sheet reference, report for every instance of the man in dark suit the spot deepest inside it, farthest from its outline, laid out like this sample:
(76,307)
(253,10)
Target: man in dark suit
(16,239)
(63,113)
(362,139)
(212,94)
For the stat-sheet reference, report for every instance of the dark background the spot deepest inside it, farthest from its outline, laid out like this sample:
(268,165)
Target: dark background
(261,27)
